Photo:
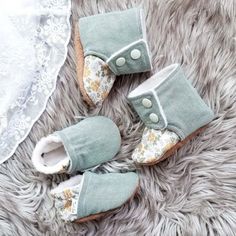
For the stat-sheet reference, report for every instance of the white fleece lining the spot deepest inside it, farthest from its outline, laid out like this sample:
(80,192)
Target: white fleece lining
(153,82)
(49,155)
(143,24)
(75,181)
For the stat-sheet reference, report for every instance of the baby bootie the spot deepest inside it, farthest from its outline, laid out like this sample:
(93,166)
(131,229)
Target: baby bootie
(88,197)
(91,142)
(107,45)
(172,112)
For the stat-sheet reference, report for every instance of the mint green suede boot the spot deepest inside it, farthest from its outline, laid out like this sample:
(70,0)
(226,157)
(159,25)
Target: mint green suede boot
(172,111)
(108,45)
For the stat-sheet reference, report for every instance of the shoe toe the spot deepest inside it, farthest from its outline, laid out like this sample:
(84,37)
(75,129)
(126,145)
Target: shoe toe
(98,79)
(154,144)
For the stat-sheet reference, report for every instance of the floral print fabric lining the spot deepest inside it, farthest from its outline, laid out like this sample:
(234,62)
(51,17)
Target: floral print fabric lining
(66,203)
(154,144)
(98,79)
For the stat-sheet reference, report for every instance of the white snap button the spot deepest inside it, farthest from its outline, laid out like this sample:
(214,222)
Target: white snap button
(154,117)
(146,103)
(120,61)
(135,54)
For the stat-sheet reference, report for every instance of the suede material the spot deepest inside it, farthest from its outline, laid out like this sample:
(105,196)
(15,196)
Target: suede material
(117,30)
(132,66)
(104,192)
(177,104)
(91,142)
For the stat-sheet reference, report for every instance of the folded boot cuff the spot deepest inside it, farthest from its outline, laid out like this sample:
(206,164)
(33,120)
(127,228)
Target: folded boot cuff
(120,41)
(70,150)
(168,100)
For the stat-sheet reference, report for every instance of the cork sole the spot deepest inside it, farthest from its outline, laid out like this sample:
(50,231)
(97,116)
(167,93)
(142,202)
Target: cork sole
(102,214)
(175,147)
(79,52)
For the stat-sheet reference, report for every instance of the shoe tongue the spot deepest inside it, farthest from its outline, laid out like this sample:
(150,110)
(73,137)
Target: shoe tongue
(98,79)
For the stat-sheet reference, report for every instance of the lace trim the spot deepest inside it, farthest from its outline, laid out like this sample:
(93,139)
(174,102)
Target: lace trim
(51,40)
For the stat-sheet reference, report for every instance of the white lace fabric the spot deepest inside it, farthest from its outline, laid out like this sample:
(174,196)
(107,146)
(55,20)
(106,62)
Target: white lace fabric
(33,47)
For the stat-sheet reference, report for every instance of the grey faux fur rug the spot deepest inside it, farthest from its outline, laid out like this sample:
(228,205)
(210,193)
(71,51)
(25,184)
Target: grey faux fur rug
(193,192)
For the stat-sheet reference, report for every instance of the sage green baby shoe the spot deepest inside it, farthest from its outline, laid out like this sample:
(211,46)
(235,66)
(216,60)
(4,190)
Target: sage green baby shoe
(91,142)
(88,197)
(172,112)
(108,45)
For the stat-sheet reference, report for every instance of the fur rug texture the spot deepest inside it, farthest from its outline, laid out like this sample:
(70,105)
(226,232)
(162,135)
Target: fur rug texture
(191,193)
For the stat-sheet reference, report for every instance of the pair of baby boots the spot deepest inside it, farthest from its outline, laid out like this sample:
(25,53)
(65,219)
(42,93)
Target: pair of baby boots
(92,141)
(114,44)
(108,45)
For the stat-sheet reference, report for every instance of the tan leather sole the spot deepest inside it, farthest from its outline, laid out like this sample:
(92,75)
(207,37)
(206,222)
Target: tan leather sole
(79,52)
(102,214)
(175,147)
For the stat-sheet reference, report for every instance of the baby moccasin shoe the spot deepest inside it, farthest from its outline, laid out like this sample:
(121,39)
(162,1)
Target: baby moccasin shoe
(88,197)
(91,142)
(108,45)
(172,112)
